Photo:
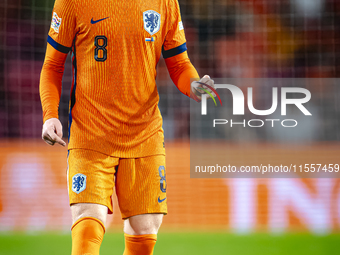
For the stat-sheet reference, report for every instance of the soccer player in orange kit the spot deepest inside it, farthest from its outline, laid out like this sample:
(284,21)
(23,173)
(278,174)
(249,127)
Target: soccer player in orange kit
(115,126)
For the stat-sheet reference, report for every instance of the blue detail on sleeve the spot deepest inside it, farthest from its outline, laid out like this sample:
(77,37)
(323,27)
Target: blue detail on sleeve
(73,92)
(58,46)
(175,51)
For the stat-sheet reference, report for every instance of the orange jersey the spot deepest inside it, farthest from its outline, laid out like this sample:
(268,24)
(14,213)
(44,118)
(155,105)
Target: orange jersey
(116,46)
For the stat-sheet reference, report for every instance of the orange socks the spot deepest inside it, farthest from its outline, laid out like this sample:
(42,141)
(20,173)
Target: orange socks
(87,236)
(88,233)
(139,245)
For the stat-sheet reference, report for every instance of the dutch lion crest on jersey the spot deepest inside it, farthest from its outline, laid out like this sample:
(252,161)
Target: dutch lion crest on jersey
(78,183)
(152,21)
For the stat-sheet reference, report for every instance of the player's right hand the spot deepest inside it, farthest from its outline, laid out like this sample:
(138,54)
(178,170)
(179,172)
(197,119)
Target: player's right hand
(53,132)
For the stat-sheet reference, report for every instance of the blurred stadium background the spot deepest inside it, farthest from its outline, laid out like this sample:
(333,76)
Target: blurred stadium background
(226,38)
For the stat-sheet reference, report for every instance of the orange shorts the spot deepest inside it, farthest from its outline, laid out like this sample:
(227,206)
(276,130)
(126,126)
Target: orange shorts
(140,183)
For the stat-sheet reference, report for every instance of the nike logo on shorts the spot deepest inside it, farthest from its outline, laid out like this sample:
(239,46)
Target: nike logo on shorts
(161,200)
(96,21)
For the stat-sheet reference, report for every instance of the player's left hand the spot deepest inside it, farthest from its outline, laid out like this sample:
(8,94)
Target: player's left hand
(203,86)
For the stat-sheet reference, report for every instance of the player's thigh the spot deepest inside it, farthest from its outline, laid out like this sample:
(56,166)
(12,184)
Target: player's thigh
(141,186)
(143,224)
(90,182)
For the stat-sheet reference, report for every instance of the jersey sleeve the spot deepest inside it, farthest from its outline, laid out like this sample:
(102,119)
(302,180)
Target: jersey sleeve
(63,26)
(50,82)
(175,42)
(182,72)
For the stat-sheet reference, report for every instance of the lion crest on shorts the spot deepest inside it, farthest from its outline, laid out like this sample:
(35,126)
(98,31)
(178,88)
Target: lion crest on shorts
(78,183)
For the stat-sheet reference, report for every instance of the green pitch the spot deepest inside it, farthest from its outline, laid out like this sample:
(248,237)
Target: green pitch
(181,243)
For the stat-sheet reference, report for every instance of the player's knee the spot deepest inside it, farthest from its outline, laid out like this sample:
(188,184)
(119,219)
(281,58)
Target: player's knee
(143,224)
(144,229)
(83,210)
